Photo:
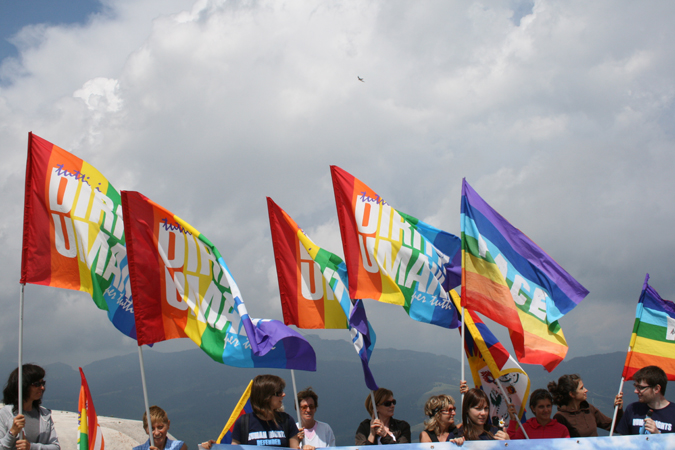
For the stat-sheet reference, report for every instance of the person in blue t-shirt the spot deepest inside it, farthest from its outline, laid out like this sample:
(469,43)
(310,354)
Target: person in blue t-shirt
(652,412)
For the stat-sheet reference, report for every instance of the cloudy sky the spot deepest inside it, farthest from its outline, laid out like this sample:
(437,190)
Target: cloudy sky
(560,115)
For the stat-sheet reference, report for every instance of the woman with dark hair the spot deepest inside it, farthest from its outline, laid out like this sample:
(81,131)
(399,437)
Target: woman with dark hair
(34,429)
(383,429)
(267,425)
(476,419)
(441,423)
(581,418)
(541,426)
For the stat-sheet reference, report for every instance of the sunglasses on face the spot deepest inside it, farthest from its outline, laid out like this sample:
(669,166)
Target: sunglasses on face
(388,403)
(40,383)
(450,410)
(306,407)
(279,394)
(639,388)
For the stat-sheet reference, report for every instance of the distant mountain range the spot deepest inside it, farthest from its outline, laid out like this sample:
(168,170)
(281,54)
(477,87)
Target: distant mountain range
(199,394)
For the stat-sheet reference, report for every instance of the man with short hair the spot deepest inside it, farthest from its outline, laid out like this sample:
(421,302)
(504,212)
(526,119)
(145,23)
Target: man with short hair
(316,434)
(652,412)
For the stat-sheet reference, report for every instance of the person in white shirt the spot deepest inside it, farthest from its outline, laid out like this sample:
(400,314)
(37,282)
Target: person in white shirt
(316,434)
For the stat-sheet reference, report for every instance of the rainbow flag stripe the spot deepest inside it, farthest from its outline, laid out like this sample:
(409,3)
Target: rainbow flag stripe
(509,279)
(393,257)
(73,233)
(313,286)
(184,289)
(653,340)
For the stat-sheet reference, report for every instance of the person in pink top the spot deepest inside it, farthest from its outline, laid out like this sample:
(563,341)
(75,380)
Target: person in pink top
(541,426)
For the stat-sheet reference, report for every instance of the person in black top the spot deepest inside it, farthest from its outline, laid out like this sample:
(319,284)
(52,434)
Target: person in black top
(441,423)
(475,419)
(383,429)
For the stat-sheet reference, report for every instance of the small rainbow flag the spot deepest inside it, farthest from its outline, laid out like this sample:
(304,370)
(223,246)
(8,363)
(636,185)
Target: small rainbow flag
(243,407)
(508,278)
(653,340)
(393,257)
(184,289)
(90,436)
(73,234)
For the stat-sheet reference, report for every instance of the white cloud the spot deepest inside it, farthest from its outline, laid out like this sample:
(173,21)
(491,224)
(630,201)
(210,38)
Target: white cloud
(563,123)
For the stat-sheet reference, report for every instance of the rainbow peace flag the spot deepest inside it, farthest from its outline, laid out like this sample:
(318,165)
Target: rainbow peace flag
(90,436)
(395,258)
(490,361)
(509,279)
(313,287)
(184,289)
(73,234)
(653,340)
(243,407)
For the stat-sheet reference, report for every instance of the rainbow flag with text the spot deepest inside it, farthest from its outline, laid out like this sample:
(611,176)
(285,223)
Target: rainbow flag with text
(73,233)
(653,340)
(313,287)
(90,436)
(509,279)
(184,289)
(393,257)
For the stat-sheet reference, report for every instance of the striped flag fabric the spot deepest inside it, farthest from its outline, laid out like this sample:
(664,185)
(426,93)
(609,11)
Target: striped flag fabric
(73,233)
(508,278)
(395,258)
(184,289)
(652,342)
(90,436)
(243,407)
(313,287)
(490,361)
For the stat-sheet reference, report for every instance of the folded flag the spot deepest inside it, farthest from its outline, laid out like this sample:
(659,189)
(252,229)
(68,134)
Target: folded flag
(313,287)
(393,257)
(184,289)
(653,340)
(490,361)
(90,436)
(509,279)
(73,234)
(243,407)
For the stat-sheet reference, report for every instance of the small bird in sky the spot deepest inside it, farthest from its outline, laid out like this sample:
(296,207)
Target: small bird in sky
(360,79)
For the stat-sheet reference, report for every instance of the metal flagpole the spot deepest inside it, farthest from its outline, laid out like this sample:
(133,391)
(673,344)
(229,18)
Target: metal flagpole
(372,398)
(20,405)
(506,398)
(616,407)
(145,396)
(297,405)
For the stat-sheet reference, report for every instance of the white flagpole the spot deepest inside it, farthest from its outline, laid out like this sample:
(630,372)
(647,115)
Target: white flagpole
(616,408)
(506,399)
(145,396)
(20,405)
(297,405)
(372,399)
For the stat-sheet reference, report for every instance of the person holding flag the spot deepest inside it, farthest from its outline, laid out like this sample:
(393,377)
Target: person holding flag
(159,425)
(541,426)
(316,434)
(34,429)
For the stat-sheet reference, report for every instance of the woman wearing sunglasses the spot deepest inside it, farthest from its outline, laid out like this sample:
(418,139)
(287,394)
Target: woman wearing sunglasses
(34,429)
(581,418)
(383,429)
(441,423)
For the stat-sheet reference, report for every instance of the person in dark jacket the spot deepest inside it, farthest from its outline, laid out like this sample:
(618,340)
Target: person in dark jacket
(581,418)
(383,428)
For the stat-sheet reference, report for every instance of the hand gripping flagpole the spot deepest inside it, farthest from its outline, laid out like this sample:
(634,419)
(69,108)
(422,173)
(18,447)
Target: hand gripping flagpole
(616,407)
(145,396)
(506,398)
(297,405)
